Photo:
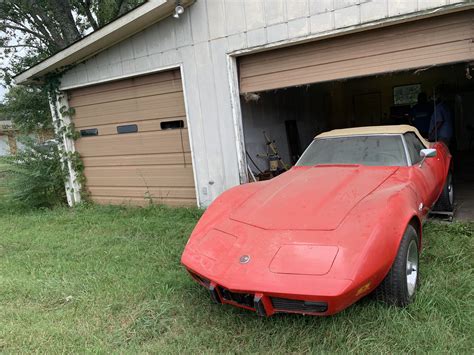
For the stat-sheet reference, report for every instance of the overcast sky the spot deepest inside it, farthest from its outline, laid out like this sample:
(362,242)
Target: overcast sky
(3,63)
(2,92)
(2,88)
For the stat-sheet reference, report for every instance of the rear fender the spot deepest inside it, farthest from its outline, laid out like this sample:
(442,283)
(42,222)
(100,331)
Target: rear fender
(445,155)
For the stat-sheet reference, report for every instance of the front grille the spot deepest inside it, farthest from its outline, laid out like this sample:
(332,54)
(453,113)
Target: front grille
(244,299)
(284,304)
(201,280)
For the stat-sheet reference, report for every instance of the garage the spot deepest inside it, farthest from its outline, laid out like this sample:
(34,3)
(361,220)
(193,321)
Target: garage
(134,140)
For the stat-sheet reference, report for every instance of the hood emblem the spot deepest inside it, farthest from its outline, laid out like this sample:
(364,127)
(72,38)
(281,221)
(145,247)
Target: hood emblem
(244,259)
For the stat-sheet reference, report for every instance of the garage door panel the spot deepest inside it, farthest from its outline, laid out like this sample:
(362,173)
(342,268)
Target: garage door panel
(165,101)
(355,50)
(143,126)
(170,113)
(126,93)
(440,40)
(138,160)
(455,52)
(132,176)
(352,46)
(186,144)
(440,26)
(138,201)
(168,141)
(154,192)
(126,83)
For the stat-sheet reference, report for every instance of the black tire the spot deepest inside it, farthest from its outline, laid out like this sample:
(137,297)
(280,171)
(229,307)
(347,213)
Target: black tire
(394,289)
(445,201)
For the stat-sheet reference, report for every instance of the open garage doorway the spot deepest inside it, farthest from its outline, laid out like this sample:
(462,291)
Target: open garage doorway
(291,117)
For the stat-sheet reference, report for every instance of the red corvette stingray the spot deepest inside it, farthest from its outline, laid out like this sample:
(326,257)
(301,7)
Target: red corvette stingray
(345,221)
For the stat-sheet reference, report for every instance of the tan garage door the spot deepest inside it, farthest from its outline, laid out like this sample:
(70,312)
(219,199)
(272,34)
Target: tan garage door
(438,40)
(134,141)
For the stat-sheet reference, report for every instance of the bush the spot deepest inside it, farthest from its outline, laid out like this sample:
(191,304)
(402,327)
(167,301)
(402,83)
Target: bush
(35,176)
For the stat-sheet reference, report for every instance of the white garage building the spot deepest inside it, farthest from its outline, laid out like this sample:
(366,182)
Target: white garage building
(167,107)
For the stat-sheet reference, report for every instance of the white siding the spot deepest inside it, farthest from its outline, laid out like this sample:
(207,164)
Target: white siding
(201,40)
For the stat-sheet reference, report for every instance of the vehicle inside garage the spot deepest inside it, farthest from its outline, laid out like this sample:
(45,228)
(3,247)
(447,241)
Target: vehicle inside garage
(291,117)
(293,109)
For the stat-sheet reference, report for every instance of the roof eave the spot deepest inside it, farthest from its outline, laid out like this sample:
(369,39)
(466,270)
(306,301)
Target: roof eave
(135,21)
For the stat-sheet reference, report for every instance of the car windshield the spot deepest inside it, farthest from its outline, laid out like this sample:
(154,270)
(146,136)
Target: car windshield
(381,150)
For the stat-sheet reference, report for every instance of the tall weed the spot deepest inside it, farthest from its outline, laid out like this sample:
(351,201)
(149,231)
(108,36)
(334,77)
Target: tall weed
(34,176)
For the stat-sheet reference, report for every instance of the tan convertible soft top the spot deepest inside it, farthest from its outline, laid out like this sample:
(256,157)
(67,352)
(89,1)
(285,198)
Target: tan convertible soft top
(358,131)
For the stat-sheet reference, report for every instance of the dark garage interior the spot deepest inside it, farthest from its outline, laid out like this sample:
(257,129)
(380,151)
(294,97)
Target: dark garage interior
(291,117)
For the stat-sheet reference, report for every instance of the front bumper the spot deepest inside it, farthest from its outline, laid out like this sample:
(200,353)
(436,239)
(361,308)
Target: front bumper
(269,303)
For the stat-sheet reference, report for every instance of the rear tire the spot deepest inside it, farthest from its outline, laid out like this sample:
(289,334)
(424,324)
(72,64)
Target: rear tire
(445,201)
(399,286)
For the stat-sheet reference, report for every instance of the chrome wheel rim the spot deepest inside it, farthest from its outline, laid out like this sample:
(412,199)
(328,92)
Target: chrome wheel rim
(412,267)
(451,192)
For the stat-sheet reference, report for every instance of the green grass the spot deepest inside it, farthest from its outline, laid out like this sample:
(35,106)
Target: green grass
(104,279)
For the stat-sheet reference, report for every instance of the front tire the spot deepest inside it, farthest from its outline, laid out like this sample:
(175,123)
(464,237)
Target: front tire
(399,286)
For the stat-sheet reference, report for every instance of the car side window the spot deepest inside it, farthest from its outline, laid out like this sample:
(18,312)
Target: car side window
(414,146)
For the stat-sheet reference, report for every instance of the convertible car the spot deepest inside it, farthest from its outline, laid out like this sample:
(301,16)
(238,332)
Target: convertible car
(345,221)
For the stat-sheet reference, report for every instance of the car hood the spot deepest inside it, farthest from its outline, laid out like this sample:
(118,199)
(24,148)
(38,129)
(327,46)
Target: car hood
(310,198)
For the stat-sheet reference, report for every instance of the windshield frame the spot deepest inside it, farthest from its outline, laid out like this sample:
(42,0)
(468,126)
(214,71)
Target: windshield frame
(405,149)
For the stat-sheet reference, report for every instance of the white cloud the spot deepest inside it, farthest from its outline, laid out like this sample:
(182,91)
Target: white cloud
(3,91)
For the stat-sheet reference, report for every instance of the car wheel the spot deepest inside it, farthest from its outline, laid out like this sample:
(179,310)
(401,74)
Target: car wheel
(399,286)
(445,202)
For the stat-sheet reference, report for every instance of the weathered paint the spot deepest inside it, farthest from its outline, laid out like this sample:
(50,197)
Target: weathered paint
(202,40)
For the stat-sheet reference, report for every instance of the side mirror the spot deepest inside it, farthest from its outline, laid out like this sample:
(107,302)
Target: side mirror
(427,153)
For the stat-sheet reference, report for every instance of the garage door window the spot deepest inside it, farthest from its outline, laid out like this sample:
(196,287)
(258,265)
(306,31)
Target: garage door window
(129,128)
(89,132)
(406,94)
(172,124)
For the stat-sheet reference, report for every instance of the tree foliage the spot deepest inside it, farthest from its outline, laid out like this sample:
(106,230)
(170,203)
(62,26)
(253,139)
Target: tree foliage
(27,107)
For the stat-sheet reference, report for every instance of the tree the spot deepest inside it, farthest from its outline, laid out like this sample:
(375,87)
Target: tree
(32,30)
(101,12)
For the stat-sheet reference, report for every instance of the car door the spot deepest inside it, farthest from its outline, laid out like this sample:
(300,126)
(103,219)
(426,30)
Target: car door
(424,176)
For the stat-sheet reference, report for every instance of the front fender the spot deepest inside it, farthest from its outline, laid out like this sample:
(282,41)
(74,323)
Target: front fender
(223,205)
(385,215)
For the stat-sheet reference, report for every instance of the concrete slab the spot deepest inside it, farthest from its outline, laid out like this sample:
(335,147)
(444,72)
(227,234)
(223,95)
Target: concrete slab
(464,186)
(465,201)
